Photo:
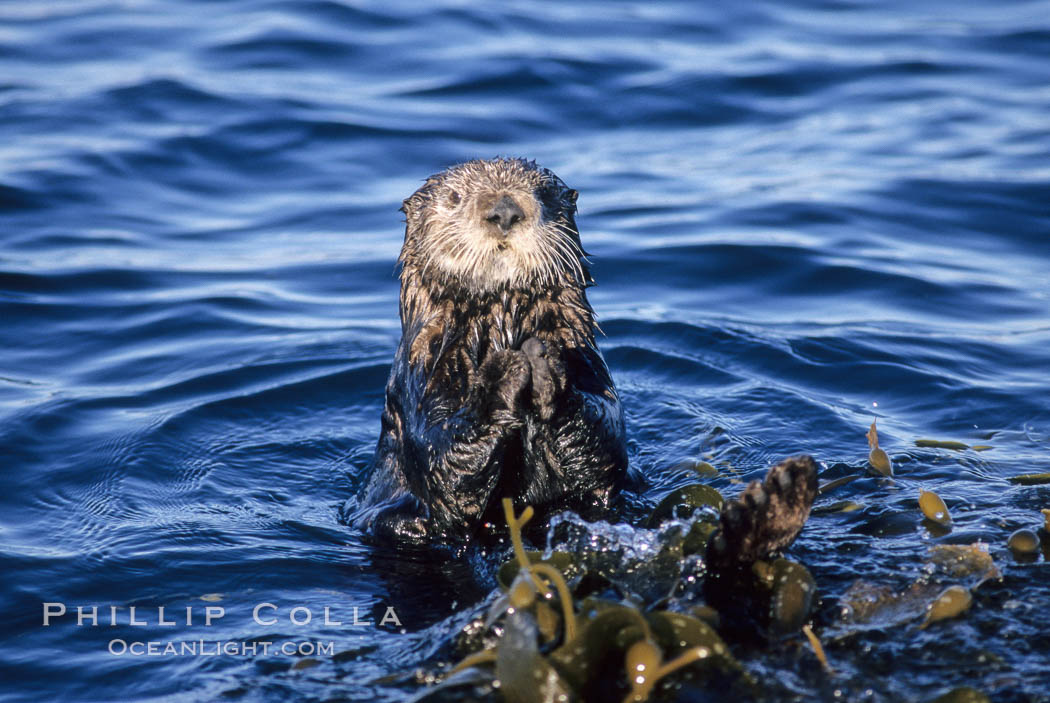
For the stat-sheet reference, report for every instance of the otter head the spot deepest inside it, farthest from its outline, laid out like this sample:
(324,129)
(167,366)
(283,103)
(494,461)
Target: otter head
(494,225)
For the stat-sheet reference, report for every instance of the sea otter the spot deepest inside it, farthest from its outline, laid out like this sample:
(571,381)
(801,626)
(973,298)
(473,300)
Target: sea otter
(498,388)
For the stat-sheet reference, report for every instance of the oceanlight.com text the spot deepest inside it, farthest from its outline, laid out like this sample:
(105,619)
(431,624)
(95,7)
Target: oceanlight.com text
(232,648)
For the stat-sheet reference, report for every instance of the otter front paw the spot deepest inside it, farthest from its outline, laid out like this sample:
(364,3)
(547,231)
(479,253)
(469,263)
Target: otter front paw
(767,516)
(506,375)
(548,376)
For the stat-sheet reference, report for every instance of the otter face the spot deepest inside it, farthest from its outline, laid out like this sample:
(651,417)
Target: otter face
(495,225)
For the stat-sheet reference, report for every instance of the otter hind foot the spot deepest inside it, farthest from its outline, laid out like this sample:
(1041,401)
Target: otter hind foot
(767,516)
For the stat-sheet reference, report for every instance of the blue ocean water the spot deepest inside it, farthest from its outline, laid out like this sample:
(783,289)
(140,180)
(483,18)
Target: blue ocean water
(802,216)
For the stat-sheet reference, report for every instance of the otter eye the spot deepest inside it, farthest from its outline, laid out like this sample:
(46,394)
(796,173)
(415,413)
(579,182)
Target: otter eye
(453,198)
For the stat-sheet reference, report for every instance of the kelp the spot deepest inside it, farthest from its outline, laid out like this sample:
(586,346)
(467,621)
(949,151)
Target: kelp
(877,457)
(553,647)
(1030,479)
(934,508)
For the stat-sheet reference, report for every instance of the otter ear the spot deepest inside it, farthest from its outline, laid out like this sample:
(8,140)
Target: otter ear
(571,195)
(413,205)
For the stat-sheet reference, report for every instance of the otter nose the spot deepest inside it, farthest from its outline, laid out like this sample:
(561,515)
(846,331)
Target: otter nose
(505,213)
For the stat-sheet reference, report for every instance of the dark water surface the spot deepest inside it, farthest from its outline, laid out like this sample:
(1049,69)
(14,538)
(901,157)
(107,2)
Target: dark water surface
(802,216)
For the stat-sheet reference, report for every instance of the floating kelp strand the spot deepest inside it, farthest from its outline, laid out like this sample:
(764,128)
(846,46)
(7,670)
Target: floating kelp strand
(695,541)
(964,561)
(880,605)
(1030,479)
(951,602)
(692,497)
(524,675)
(836,483)
(558,580)
(515,523)
(568,564)
(547,621)
(818,648)
(964,694)
(541,571)
(642,687)
(305,663)
(706,470)
(839,506)
(1023,541)
(644,659)
(941,444)
(642,662)
(794,591)
(485,656)
(879,459)
(604,629)
(697,466)
(934,508)
(706,614)
(522,593)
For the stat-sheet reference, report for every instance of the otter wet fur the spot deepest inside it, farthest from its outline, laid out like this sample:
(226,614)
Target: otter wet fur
(498,388)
